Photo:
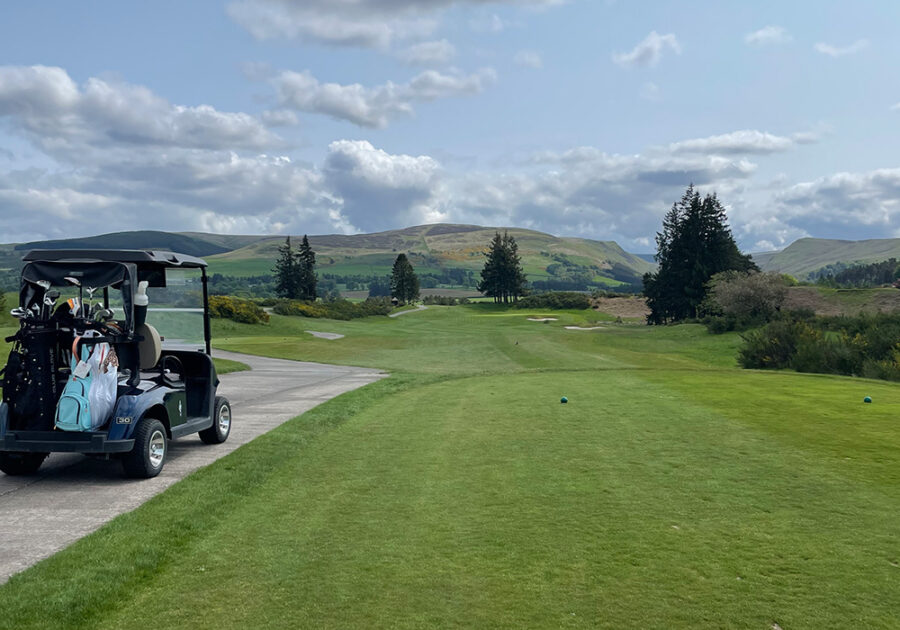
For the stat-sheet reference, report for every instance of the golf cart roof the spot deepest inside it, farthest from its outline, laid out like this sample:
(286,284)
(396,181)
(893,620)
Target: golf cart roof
(141,258)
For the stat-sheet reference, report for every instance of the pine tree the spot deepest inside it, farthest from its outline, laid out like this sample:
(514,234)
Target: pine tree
(404,282)
(306,268)
(695,243)
(515,277)
(502,277)
(490,284)
(286,272)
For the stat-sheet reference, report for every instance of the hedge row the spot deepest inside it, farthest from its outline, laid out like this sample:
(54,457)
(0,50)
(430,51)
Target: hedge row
(558,300)
(339,309)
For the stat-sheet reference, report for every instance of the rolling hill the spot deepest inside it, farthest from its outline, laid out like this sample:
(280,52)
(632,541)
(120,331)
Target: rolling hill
(436,248)
(432,249)
(806,255)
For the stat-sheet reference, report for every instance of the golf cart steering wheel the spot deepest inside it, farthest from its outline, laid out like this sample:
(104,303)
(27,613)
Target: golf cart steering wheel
(169,364)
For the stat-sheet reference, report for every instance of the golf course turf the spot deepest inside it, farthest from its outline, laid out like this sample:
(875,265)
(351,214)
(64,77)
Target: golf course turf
(673,490)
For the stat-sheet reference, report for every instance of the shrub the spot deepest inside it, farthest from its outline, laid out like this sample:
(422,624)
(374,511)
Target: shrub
(773,345)
(338,309)
(555,300)
(864,345)
(236,309)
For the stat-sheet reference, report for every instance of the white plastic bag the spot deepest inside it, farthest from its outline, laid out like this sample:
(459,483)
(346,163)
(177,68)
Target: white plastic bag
(104,381)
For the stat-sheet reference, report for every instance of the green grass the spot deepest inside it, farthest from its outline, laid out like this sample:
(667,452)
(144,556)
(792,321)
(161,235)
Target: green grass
(227,366)
(673,490)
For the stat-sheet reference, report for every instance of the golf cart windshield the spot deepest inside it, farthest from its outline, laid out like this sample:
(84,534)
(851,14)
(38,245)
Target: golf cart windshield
(176,309)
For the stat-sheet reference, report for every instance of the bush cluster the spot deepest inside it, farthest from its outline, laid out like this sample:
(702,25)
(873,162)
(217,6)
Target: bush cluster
(556,300)
(338,309)
(236,309)
(440,300)
(864,345)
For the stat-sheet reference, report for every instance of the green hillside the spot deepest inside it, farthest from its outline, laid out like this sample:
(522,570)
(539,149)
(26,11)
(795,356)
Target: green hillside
(811,254)
(191,243)
(433,248)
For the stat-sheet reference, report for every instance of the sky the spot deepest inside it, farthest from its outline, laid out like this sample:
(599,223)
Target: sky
(580,118)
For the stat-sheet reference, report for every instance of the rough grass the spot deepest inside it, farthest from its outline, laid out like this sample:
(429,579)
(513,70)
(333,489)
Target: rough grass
(673,490)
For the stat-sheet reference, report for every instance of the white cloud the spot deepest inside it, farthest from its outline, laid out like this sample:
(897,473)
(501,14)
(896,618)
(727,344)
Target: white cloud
(376,188)
(45,103)
(365,23)
(838,51)
(768,35)
(429,53)
(743,141)
(649,51)
(845,205)
(529,59)
(488,24)
(375,106)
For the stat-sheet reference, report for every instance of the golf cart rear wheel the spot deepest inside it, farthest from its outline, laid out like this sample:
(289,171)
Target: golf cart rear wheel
(218,432)
(148,456)
(13,463)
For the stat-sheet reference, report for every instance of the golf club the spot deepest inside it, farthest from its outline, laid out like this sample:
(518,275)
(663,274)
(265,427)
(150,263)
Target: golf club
(50,303)
(90,305)
(18,312)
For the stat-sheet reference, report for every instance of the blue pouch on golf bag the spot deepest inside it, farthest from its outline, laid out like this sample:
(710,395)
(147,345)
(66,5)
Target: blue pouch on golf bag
(73,412)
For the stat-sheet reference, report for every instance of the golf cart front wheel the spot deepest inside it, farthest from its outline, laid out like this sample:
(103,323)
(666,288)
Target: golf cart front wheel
(148,456)
(13,463)
(221,427)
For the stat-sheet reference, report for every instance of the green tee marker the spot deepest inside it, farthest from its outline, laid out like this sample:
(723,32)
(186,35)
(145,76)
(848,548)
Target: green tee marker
(564,400)
(867,399)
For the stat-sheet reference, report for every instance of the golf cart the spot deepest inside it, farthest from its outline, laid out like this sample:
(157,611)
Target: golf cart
(90,373)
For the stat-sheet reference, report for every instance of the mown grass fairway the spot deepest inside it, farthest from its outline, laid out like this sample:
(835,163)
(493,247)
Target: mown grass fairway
(673,490)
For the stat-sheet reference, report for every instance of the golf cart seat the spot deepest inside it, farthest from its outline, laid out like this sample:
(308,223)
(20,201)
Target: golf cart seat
(155,366)
(150,347)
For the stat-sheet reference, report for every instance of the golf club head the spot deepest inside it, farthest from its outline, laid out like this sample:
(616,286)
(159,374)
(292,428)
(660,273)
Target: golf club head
(18,312)
(44,284)
(103,315)
(73,281)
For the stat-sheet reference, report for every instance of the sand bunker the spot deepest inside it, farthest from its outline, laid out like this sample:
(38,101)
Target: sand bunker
(322,335)
(543,319)
(580,328)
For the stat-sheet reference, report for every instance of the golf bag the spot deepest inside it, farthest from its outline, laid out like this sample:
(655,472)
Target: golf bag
(29,380)
(73,413)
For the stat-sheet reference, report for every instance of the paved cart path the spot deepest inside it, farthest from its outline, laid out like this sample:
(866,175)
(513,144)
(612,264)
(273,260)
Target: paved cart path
(72,495)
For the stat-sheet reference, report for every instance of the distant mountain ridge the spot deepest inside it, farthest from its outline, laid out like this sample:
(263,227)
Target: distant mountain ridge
(432,249)
(806,255)
(438,247)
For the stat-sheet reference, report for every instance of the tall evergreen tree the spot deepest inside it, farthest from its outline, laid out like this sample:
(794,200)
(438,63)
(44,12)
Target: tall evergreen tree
(502,277)
(695,243)
(404,282)
(306,269)
(516,285)
(286,276)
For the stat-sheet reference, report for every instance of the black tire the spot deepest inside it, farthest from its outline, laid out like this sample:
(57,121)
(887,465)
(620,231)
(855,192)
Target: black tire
(148,456)
(15,463)
(218,432)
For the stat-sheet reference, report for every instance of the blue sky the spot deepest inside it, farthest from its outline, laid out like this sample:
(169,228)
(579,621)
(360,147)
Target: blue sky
(581,118)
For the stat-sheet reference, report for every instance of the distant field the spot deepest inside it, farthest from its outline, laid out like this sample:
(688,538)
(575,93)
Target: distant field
(672,491)
(826,301)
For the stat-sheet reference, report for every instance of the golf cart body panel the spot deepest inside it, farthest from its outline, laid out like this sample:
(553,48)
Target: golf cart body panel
(177,388)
